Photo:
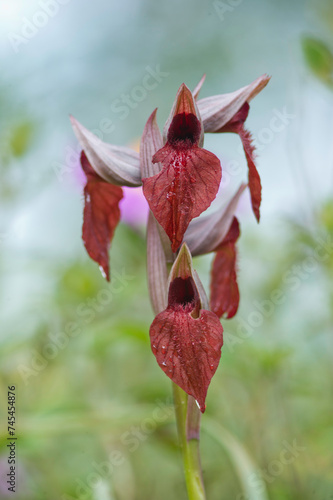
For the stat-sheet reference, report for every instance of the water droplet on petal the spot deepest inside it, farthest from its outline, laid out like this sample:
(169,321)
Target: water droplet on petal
(102,271)
(154,348)
(201,408)
(164,363)
(163,349)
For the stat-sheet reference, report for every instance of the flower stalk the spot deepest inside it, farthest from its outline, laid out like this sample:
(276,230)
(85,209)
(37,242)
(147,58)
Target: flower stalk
(187,412)
(188,425)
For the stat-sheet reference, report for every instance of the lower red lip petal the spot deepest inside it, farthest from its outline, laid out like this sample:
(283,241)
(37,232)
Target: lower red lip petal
(188,350)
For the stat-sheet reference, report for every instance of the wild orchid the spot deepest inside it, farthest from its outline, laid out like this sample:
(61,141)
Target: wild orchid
(180,181)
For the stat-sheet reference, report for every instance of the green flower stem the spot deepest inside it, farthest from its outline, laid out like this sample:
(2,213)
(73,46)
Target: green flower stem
(188,424)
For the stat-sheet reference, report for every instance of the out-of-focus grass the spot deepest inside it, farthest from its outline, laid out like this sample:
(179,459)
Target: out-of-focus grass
(103,390)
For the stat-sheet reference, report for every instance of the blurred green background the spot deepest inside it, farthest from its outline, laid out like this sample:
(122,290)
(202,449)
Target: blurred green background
(94,415)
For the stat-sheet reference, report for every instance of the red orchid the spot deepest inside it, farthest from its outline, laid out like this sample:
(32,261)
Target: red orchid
(186,338)
(190,176)
(180,181)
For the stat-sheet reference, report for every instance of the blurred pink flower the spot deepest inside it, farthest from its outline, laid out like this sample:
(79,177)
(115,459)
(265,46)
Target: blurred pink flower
(134,207)
(77,177)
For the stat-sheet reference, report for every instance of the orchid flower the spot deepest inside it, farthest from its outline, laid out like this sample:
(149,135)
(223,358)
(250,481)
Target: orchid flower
(180,181)
(190,176)
(186,337)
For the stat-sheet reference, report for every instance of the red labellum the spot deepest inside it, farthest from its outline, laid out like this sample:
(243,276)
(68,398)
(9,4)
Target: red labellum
(188,181)
(224,299)
(100,216)
(185,339)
